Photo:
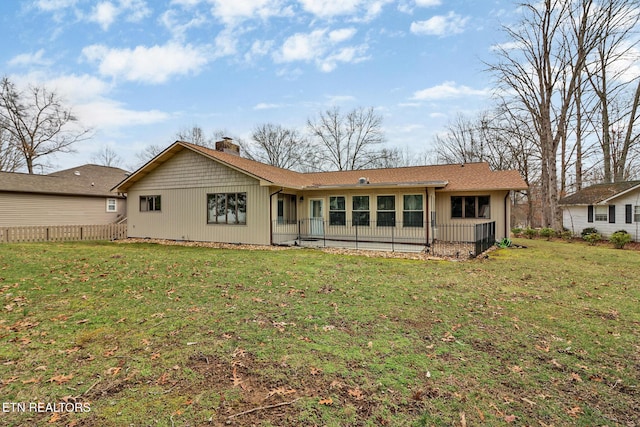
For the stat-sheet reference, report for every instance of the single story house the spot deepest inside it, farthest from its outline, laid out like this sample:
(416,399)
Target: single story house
(76,196)
(193,193)
(605,207)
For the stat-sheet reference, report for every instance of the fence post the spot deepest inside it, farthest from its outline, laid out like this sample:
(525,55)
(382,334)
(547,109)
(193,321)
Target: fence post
(393,238)
(356,235)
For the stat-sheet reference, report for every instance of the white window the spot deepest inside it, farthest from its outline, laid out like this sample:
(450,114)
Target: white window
(636,213)
(112,205)
(601,212)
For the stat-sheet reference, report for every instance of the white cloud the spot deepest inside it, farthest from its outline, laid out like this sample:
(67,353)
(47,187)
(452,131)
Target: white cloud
(28,59)
(303,47)
(331,8)
(104,13)
(352,55)
(153,65)
(447,90)
(344,34)
(266,106)
(233,11)
(179,28)
(320,46)
(186,3)
(428,3)
(259,48)
(54,5)
(88,97)
(440,25)
(327,8)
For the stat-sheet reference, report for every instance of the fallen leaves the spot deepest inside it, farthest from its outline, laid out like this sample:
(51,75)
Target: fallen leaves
(326,402)
(61,379)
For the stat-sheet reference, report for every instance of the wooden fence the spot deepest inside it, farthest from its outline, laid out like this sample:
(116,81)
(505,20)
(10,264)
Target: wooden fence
(62,233)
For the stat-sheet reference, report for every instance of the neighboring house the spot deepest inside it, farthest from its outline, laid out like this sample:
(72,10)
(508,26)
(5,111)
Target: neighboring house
(77,196)
(189,192)
(606,207)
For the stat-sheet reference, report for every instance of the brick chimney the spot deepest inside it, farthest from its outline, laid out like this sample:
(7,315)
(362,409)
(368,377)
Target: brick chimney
(227,146)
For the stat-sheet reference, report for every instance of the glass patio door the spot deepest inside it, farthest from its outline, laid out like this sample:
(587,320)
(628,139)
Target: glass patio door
(317,219)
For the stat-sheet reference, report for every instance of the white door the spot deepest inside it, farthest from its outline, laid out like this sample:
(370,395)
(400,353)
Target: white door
(317,220)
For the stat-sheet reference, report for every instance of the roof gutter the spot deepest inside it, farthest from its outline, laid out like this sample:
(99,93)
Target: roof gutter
(378,185)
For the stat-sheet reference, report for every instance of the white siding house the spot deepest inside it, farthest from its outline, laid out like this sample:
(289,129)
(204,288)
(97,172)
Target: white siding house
(606,207)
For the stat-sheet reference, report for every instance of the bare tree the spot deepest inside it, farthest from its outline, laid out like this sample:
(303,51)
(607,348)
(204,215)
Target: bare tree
(38,122)
(195,135)
(107,156)
(10,158)
(346,141)
(147,153)
(542,74)
(616,94)
(277,146)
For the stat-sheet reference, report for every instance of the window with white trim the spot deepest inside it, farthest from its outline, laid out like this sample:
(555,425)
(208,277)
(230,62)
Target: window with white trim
(112,205)
(150,203)
(386,214)
(413,213)
(601,212)
(337,210)
(360,214)
(636,213)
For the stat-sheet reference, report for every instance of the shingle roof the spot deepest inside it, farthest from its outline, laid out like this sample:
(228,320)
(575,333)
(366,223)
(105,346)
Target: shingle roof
(86,180)
(598,193)
(467,177)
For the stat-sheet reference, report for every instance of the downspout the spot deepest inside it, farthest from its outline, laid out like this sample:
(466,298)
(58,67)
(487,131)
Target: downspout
(507,220)
(427,219)
(271,214)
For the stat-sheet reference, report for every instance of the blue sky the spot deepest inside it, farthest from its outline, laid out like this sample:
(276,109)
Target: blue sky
(139,71)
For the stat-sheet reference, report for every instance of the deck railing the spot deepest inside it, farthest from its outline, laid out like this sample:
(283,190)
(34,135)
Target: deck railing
(62,233)
(460,240)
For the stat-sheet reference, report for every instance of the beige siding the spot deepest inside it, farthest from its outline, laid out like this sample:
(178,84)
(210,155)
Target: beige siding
(497,202)
(183,184)
(17,209)
(191,170)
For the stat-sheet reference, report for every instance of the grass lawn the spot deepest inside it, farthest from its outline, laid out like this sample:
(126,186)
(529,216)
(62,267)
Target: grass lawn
(144,334)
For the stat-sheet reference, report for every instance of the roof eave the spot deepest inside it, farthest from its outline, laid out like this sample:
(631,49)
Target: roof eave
(620,194)
(377,185)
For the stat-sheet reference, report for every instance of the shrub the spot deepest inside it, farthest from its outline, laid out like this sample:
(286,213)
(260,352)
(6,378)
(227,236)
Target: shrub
(588,230)
(547,232)
(566,235)
(620,238)
(592,238)
(530,233)
(517,231)
(504,243)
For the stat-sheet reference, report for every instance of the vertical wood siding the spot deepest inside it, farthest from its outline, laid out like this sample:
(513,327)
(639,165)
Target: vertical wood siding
(183,184)
(443,210)
(17,209)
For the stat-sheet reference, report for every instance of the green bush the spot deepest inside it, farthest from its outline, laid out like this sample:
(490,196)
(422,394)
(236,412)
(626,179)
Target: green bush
(620,238)
(517,231)
(504,243)
(588,230)
(592,238)
(566,235)
(547,232)
(530,233)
